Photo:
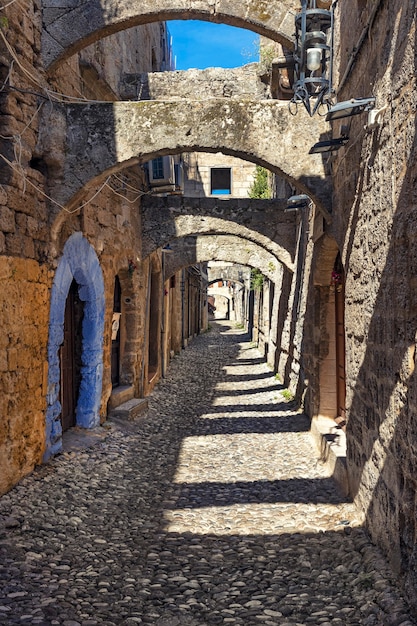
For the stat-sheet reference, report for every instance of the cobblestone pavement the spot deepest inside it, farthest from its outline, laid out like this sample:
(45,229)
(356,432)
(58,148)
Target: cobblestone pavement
(213,510)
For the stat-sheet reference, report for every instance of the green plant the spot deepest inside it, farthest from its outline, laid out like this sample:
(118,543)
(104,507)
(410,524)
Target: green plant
(256,280)
(271,266)
(266,56)
(288,395)
(260,187)
(278,377)
(4,22)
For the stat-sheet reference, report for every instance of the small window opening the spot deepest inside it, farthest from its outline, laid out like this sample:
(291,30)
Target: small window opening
(220,181)
(158,168)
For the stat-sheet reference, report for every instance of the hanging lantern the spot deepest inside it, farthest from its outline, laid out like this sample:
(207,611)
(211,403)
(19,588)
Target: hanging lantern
(313,56)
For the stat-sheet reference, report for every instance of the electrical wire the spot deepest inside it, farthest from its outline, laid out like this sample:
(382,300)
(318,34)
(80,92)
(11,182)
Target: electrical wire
(54,96)
(8,4)
(20,171)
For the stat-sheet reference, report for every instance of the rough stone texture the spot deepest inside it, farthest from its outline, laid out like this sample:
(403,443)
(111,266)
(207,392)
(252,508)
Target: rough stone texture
(110,222)
(24,305)
(72,25)
(240,82)
(375,229)
(127,133)
(214,510)
(261,221)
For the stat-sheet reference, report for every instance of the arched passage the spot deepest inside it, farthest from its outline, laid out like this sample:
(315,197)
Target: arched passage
(126,133)
(262,221)
(74,25)
(78,263)
(230,248)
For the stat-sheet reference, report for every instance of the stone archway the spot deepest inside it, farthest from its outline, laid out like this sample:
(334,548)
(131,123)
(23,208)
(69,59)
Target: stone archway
(79,262)
(166,219)
(73,25)
(127,133)
(230,248)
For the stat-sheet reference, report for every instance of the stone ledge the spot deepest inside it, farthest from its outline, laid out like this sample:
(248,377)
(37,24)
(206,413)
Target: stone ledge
(119,395)
(130,410)
(331,444)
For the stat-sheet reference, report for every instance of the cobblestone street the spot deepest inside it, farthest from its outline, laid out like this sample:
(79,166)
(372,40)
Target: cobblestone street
(214,509)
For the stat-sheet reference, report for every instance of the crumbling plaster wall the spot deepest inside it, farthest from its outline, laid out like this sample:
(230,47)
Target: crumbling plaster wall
(376,230)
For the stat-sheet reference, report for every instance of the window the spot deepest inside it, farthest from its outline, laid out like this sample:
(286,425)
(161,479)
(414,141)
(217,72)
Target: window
(158,168)
(220,181)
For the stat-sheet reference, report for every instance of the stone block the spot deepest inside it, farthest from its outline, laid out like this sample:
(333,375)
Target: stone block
(120,395)
(130,410)
(7,220)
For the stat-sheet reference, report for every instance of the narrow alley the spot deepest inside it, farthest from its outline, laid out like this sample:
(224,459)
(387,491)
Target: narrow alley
(214,509)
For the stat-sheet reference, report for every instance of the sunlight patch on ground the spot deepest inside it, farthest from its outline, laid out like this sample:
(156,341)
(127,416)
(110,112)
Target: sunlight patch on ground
(203,458)
(262,397)
(245,415)
(260,519)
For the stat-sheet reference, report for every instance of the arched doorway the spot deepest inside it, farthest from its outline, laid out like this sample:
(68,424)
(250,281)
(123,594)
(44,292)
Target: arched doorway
(79,264)
(154,322)
(328,390)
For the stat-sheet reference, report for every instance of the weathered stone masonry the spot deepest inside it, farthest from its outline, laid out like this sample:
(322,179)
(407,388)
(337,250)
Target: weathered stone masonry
(105,138)
(69,150)
(68,28)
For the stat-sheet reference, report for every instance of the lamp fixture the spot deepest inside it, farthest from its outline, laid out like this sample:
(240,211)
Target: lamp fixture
(330,145)
(313,56)
(348,108)
(297,202)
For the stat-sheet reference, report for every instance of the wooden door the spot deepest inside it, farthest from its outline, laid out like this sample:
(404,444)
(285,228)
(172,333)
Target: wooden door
(115,344)
(70,357)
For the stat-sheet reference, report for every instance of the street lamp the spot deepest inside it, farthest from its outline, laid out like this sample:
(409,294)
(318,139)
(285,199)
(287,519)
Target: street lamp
(329,145)
(313,56)
(351,107)
(297,202)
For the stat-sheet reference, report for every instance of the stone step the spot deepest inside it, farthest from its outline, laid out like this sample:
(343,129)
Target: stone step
(130,410)
(330,441)
(121,394)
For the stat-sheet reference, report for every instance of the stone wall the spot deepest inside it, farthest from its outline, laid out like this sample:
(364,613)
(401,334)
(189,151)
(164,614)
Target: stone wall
(375,228)
(198,167)
(24,299)
(214,82)
(34,230)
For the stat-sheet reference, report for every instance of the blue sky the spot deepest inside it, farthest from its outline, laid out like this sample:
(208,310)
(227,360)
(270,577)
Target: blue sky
(204,44)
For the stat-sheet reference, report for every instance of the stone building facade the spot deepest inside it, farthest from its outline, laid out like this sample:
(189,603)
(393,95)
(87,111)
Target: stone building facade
(68,276)
(341,315)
